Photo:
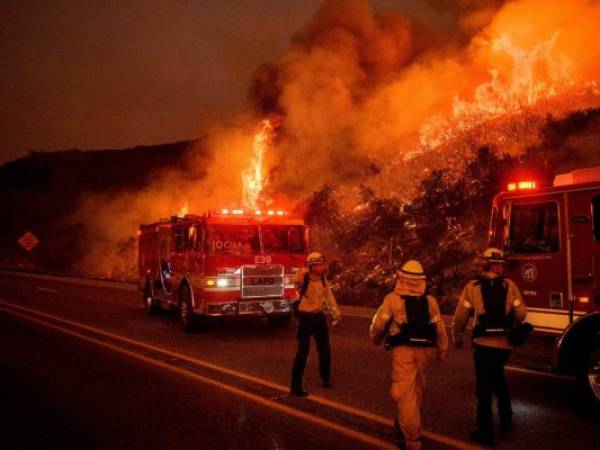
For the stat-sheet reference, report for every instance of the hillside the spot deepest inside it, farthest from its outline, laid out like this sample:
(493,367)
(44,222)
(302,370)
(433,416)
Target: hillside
(70,199)
(41,192)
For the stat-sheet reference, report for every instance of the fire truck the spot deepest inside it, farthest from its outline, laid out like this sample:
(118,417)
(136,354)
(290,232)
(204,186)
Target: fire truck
(551,238)
(224,263)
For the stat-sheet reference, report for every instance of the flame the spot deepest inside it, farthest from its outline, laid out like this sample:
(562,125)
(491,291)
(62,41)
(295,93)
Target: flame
(184,210)
(253,179)
(535,75)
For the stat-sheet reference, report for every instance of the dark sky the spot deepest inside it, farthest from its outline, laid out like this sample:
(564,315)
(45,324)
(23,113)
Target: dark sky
(109,74)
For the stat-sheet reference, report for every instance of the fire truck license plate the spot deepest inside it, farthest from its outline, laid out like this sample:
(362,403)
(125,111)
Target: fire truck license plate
(262,281)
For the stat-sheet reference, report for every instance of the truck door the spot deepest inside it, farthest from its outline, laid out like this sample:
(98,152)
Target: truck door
(164,261)
(179,257)
(584,212)
(195,246)
(535,245)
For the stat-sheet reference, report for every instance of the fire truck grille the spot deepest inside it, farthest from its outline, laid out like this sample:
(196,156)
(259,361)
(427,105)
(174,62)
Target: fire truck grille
(260,281)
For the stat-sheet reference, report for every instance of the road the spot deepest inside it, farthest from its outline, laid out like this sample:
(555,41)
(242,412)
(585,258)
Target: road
(82,366)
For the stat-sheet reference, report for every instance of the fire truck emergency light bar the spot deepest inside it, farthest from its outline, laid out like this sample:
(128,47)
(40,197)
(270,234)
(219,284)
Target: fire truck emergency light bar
(241,212)
(522,185)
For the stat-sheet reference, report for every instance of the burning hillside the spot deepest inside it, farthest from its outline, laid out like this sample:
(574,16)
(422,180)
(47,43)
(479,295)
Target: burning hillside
(389,134)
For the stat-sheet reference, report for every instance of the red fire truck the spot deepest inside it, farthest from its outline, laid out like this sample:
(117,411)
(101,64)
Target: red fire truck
(225,263)
(551,236)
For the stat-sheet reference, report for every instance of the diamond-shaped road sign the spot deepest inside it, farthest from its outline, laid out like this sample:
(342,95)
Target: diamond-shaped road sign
(28,241)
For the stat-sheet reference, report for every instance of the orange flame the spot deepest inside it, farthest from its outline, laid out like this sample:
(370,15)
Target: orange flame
(184,210)
(253,179)
(536,75)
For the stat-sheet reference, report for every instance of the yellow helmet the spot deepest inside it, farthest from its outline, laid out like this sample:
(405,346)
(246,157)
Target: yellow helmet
(494,255)
(315,258)
(412,269)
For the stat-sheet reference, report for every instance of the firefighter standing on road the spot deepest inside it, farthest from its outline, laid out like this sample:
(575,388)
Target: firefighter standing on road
(314,296)
(498,306)
(412,320)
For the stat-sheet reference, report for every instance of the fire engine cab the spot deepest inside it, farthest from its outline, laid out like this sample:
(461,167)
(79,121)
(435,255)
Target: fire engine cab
(225,263)
(551,238)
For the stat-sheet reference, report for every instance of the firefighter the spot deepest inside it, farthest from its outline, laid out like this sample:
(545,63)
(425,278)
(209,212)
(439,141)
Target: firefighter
(314,298)
(410,323)
(498,306)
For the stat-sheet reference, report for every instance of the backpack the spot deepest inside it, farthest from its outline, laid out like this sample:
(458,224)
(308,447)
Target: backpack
(303,290)
(494,322)
(417,331)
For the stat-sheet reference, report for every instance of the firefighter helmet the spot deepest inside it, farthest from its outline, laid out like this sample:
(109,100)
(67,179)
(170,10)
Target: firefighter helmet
(494,255)
(315,258)
(412,269)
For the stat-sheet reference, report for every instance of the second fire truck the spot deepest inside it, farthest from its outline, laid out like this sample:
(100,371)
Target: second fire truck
(223,263)
(551,236)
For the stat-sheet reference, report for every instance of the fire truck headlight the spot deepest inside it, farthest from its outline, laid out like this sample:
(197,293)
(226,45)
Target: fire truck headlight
(222,282)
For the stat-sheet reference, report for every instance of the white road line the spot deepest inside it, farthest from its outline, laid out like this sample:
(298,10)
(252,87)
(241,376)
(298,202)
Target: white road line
(45,289)
(539,373)
(447,440)
(73,280)
(351,311)
(348,432)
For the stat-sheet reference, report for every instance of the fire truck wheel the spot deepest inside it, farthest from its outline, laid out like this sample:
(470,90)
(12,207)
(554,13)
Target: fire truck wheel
(593,374)
(150,305)
(279,321)
(185,311)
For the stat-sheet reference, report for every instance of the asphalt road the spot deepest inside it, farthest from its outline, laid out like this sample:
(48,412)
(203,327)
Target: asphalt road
(82,366)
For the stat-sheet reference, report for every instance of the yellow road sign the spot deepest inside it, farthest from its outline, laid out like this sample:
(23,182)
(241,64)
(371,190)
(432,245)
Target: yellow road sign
(28,241)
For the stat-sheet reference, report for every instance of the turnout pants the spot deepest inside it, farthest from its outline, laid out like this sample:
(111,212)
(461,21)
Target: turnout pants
(490,380)
(408,380)
(311,324)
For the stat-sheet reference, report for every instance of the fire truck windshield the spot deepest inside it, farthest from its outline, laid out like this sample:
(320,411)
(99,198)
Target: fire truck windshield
(232,239)
(246,239)
(534,228)
(283,238)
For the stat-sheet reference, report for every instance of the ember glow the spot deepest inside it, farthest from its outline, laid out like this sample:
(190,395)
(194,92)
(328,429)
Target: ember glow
(365,100)
(530,76)
(184,210)
(253,179)
(360,88)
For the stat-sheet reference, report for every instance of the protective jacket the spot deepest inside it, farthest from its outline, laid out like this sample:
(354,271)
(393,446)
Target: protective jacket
(318,296)
(471,300)
(409,363)
(392,314)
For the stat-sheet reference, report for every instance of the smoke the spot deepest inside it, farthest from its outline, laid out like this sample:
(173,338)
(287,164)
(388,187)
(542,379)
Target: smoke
(210,179)
(359,88)
(380,99)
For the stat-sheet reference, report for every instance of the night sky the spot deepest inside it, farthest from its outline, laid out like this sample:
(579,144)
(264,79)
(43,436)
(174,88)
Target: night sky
(100,74)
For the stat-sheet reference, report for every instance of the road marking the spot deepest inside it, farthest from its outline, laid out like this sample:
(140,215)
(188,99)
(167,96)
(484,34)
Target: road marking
(446,440)
(539,373)
(73,280)
(45,289)
(379,443)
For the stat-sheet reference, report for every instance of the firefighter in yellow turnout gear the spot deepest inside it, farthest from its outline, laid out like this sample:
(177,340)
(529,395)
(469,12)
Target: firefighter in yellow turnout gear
(417,334)
(498,306)
(314,299)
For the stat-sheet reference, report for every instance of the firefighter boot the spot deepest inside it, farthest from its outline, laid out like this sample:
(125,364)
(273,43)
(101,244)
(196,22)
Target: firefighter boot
(400,439)
(482,437)
(298,391)
(506,424)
